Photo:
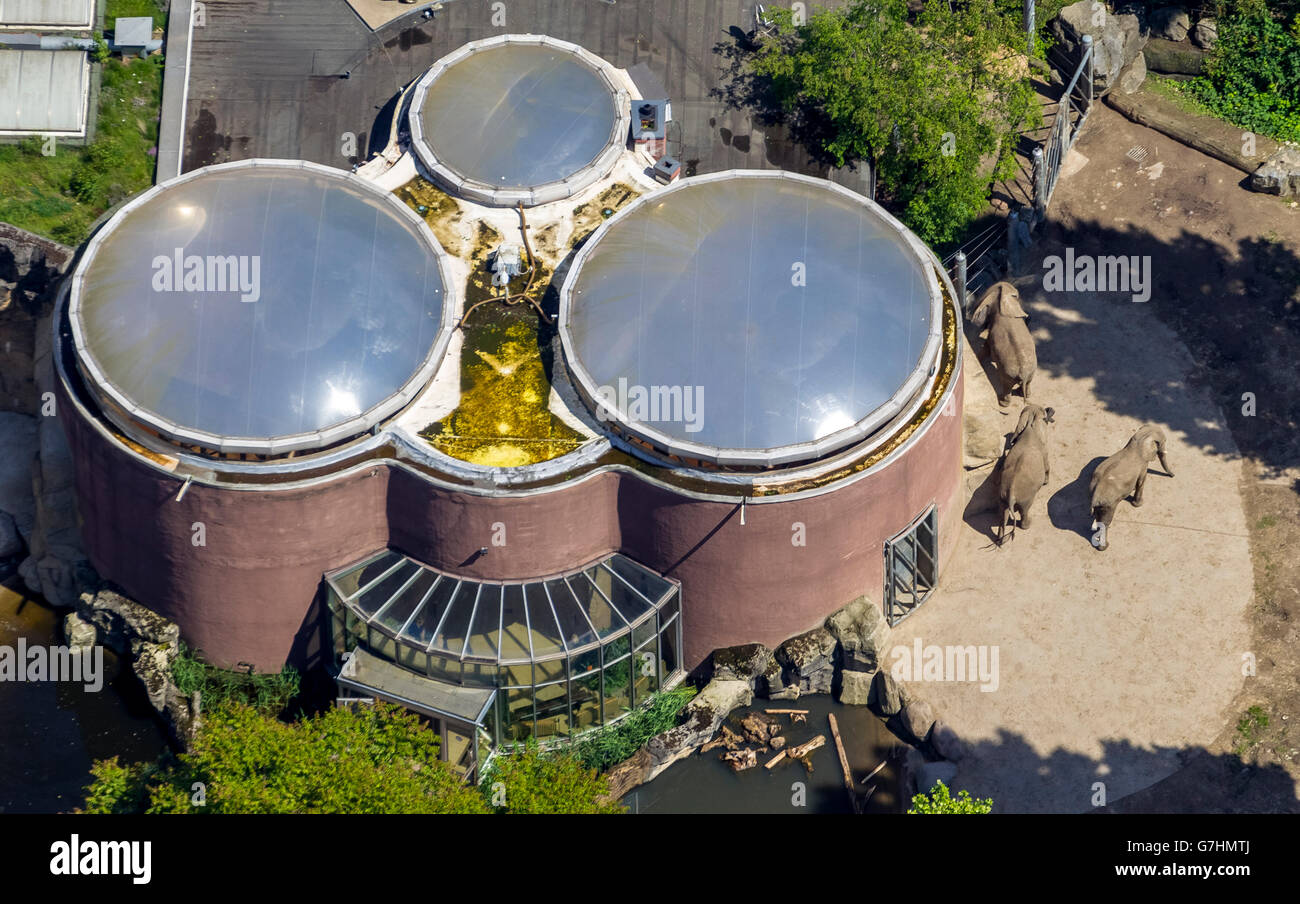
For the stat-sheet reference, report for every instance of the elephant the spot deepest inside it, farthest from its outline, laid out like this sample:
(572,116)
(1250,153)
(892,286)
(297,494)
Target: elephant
(1025,467)
(1123,475)
(1009,343)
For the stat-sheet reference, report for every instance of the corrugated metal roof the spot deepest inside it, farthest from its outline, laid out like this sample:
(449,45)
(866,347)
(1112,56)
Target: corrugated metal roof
(49,91)
(61,13)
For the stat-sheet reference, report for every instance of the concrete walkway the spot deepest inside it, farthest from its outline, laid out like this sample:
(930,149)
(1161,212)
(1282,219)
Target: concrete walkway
(1114,666)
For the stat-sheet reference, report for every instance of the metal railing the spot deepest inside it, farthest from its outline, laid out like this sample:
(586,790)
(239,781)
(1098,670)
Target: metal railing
(1071,113)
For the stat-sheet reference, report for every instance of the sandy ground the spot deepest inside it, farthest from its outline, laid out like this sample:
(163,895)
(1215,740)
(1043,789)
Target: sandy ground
(1126,667)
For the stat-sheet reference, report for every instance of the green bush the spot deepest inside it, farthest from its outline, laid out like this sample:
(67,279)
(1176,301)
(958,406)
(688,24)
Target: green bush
(1252,76)
(377,759)
(940,801)
(610,746)
(271,694)
(935,105)
(533,781)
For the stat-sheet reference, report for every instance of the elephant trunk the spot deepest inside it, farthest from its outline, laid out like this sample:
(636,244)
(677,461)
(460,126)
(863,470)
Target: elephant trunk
(1160,453)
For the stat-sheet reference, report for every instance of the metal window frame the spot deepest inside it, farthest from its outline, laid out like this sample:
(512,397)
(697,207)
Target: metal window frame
(895,611)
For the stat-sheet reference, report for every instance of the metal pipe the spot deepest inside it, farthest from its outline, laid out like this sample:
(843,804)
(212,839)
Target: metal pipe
(961,281)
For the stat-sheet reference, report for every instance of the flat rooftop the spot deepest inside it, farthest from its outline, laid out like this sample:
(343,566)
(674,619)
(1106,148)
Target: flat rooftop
(45,92)
(67,14)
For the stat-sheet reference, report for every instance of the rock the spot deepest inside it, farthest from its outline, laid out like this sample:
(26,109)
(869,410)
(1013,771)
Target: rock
(946,743)
(1134,74)
(777,743)
(11,542)
(122,621)
(855,688)
(929,774)
(772,681)
(808,659)
(1170,23)
(863,635)
(1117,39)
(759,728)
(1173,58)
(887,695)
(1206,34)
(79,634)
(740,760)
(789,693)
(917,718)
(741,663)
(1279,174)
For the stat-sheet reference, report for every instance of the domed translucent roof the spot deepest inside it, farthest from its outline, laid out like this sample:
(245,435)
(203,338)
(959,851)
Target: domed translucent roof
(519,118)
(751,318)
(262,307)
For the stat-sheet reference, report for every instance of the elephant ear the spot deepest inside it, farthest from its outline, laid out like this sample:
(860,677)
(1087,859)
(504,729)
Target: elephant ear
(1009,306)
(1152,440)
(985,305)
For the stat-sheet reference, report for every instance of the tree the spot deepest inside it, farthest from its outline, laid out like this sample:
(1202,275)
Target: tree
(940,801)
(533,781)
(934,105)
(372,760)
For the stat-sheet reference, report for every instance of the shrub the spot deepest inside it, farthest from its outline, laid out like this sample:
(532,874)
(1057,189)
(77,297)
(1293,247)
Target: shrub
(272,694)
(610,746)
(940,801)
(533,781)
(377,759)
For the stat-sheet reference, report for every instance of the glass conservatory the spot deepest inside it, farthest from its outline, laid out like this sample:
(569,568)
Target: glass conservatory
(558,655)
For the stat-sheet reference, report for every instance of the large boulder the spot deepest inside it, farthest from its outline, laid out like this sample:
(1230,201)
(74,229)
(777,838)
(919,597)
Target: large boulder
(1117,39)
(1134,74)
(745,662)
(887,696)
(1173,58)
(863,635)
(855,688)
(809,661)
(1171,23)
(917,718)
(121,622)
(1206,34)
(1279,174)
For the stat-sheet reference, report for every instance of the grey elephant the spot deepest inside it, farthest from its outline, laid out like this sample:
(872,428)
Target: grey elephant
(1009,344)
(1122,475)
(1025,468)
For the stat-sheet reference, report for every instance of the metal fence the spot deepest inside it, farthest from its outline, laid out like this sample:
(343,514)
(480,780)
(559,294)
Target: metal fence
(1071,113)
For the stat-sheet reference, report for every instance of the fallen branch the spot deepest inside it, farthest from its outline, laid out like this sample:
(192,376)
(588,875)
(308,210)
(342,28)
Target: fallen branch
(774,760)
(844,764)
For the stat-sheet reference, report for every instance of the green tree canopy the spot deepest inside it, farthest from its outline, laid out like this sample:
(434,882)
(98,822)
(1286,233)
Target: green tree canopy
(939,800)
(934,104)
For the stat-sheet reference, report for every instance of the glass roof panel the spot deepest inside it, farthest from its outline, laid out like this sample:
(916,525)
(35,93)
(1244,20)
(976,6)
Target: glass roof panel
(649,584)
(484,637)
(516,116)
(348,582)
(547,639)
(514,625)
(595,598)
(451,636)
(370,600)
(749,312)
(421,629)
(574,626)
(302,300)
(394,616)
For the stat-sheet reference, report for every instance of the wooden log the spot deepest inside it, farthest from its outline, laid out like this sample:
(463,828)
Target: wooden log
(786,712)
(774,760)
(874,771)
(844,764)
(800,751)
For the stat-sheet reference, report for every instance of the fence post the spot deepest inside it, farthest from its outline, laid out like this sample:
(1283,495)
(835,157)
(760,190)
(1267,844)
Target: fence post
(1013,243)
(961,281)
(1089,56)
(1040,184)
(1030,26)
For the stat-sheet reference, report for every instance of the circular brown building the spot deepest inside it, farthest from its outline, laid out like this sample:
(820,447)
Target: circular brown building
(770,364)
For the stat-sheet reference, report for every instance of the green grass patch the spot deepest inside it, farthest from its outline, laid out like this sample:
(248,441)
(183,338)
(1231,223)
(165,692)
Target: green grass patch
(270,694)
(610,746)
(1176,92)
(1250,729)
(134,9)
(61,195)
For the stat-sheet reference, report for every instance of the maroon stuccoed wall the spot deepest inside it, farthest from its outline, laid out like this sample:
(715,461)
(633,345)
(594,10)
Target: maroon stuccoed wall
(246,596)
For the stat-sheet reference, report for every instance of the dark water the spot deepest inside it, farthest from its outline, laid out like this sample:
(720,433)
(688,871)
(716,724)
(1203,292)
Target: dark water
(50,732)
(702,783)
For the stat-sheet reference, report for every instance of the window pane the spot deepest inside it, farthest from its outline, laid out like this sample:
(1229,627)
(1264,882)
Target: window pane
(546,636)
(645,672)
(670,647)
(618,688)
(372,598)
(479,674)
(514,625)
(603,617)
(643,632)
(651,585)
(349,582)
(547,670)
(426,621)
(394,615)
(618,648)
(444,668)
(519,713)
(484,637)
(585,693)
(553,710)
(451,637)
(670,608)
(574,625)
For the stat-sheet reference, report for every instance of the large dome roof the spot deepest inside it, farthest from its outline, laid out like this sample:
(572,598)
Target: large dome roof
(751,318)
(261,307)
(519,118)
